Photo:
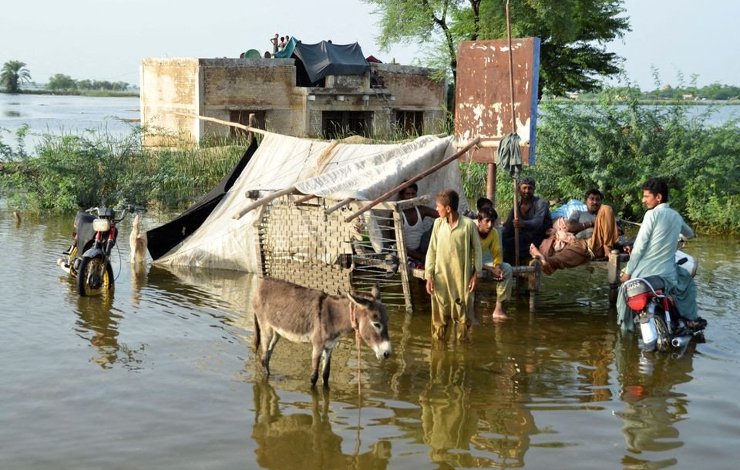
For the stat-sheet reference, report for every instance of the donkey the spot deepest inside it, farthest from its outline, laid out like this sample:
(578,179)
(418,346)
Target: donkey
(304,315)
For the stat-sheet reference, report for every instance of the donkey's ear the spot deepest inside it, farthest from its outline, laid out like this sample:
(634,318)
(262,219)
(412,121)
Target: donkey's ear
(359,301)
(375,292)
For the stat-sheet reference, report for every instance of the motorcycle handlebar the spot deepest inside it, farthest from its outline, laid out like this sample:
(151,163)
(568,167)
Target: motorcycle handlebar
(122,209)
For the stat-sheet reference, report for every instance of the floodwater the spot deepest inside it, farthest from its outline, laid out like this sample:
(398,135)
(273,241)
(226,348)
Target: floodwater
(163,376)
(65,115)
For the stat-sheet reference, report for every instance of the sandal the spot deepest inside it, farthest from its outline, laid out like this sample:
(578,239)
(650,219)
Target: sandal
(698,324)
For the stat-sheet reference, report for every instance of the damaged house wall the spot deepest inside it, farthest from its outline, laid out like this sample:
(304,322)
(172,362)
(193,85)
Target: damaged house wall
(400,100)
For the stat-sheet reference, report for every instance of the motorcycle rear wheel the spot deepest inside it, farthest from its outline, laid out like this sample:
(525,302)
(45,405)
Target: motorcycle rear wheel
(663,342)
(93,278)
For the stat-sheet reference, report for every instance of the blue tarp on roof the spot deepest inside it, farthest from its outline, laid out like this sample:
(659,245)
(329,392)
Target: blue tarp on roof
(287,51)
(324,58)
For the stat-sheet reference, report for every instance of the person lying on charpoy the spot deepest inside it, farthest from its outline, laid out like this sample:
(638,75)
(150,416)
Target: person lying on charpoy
(584,236)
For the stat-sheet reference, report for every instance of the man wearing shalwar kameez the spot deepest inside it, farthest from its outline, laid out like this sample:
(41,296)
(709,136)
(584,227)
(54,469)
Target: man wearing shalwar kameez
(451,268)
(654,254)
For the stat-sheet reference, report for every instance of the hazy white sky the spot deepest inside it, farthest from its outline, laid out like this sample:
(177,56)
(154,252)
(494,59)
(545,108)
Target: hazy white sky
(106,39)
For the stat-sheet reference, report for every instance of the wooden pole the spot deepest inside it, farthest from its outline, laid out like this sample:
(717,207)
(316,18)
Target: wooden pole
(263,201)
(338,205)
(491,183)
(403,265)
(513,131)
(303,199)
(485,142)
(413,180)
(226,123)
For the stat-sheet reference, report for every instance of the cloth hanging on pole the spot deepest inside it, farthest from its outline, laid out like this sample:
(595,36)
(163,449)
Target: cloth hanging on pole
(509,156)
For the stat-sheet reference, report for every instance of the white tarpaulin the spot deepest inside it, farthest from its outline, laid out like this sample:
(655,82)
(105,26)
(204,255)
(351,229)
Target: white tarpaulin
(328,169)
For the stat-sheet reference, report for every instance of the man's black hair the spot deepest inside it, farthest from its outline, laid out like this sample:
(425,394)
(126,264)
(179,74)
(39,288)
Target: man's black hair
(657,186)
(483,202)
(594,191)
(488,213)
(413,186)
(527,180)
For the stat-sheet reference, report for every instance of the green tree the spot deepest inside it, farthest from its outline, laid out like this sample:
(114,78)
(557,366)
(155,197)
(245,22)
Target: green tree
(13,74)
(61,82)
(616,143)
(573,33)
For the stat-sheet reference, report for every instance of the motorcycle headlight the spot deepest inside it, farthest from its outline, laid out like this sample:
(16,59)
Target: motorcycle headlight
(101,225)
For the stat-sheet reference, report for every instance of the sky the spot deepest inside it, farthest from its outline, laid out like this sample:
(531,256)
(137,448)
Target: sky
(106,39)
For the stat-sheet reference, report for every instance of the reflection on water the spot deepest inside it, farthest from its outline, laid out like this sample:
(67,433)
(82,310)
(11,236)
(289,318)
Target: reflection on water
(461,435)
(98,323)
(164,368)
(300,435)
(652,406)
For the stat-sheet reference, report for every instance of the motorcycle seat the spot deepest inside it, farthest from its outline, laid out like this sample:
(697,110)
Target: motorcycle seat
(655,281)
(85,231)
(643,285)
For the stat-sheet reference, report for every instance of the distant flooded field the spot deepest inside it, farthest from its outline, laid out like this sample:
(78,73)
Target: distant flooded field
(163,376)
(64,115)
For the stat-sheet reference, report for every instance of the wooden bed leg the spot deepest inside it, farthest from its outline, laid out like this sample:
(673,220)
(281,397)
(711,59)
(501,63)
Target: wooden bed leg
(613,276)
(534,280)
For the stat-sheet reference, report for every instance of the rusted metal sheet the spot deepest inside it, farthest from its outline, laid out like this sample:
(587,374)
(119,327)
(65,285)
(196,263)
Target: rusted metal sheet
(483,94)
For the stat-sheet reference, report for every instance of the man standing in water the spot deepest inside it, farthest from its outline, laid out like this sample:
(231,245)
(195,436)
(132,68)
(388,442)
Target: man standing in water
(452,266)
(654,253)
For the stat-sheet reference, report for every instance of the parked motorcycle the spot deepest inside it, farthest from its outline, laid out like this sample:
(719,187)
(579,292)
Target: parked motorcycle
(88,259)
(661,325)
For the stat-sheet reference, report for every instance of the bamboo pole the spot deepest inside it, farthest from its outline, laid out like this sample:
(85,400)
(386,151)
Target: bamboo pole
(513,131)
(338,205)
(486,142)
(403,265)
(305,198)
(263,201)
(226,123)
(413,180)
(491,183)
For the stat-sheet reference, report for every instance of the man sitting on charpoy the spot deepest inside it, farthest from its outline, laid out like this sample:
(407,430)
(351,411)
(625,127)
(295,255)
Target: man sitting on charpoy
(585,235)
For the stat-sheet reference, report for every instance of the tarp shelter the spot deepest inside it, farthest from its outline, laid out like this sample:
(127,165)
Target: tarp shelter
(327,169)
(324,58)
(163,238)
(287,51)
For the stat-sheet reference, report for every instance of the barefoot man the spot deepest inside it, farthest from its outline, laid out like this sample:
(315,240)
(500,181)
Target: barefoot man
(501,272)
(451,269)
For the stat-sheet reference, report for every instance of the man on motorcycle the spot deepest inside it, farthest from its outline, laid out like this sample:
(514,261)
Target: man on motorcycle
(654,253)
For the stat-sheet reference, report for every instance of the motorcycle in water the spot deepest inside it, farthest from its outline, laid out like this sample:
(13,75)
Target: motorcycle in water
(88,259)
(661,325)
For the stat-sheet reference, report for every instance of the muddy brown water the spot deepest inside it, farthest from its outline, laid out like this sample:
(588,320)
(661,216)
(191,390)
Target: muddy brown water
(163,376)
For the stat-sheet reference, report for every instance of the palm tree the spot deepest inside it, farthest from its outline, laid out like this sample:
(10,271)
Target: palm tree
(14,72)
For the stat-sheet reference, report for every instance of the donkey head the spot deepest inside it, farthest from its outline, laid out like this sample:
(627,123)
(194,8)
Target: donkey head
(372,322)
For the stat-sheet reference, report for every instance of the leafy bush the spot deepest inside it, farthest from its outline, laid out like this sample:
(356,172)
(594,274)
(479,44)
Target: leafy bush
(80,171)
(617,143)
